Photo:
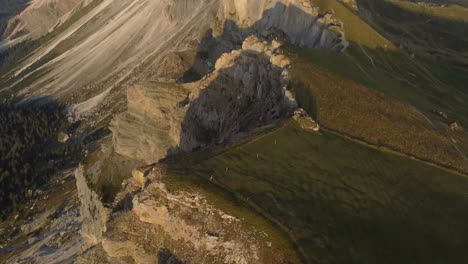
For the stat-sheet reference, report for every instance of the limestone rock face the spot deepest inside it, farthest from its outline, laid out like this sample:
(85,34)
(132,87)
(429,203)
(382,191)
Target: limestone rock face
(97,176)
(140,177)
(248,89)
(151,127)
(92,210)
(189,226)
(297,19)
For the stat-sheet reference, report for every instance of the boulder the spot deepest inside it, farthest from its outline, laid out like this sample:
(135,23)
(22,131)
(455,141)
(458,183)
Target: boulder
(140,176)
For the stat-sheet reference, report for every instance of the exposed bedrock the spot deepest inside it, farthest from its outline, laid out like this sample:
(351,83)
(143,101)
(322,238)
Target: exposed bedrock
(247,89)
(230,85)
(92,210)
(165,221)
(300,22)
(98,180)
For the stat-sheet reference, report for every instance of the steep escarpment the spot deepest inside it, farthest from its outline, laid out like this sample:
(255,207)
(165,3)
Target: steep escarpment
(210,159)
(98,179)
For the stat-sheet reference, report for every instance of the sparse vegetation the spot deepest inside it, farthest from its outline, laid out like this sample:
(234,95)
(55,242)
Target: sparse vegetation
(16,54)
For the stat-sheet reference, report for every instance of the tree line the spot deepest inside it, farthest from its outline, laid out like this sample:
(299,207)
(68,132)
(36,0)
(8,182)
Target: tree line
(29,150)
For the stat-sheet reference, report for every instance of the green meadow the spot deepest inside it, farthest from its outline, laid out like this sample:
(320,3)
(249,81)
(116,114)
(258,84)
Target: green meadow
(340,201)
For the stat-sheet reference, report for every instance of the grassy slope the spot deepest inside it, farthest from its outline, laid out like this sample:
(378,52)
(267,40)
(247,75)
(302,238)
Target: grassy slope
(343,202)
(339,96)
(357,31)
(425,85)
(374,62)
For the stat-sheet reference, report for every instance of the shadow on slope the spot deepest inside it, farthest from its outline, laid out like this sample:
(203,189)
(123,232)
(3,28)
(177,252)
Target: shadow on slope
(428,86)
(247,95)
(341,202)
(282,22)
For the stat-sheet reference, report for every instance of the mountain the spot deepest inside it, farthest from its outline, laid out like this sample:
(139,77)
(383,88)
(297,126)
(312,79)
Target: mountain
(233,131)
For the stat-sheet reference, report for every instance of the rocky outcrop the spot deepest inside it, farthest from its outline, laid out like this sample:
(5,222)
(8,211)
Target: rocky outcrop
(248,89)
(152,124)
(93,213)
(192,225)
(298,20)
(98,180)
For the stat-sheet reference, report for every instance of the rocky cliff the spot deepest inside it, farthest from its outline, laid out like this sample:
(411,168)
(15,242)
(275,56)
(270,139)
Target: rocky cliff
(193,225)
(247,89)
(180,84)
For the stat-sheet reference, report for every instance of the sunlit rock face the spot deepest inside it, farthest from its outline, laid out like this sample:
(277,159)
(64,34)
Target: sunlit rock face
(247,89)
(297,19)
